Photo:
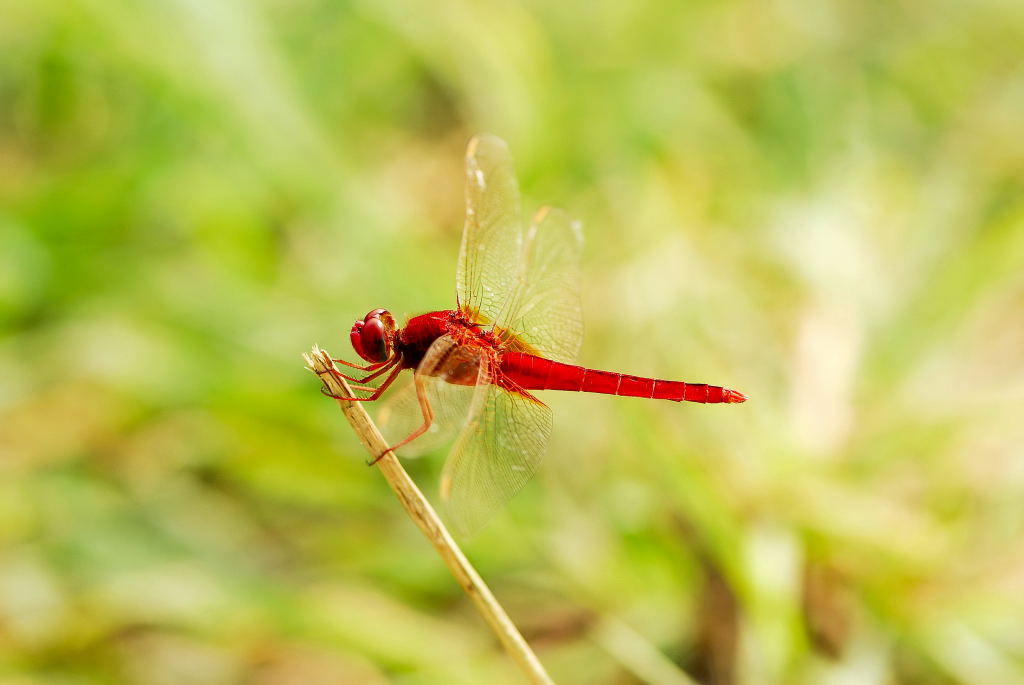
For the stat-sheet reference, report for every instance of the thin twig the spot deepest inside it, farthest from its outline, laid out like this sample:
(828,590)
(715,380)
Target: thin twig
(420,511)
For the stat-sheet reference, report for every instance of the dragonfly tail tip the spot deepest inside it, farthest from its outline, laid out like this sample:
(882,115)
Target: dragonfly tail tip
(734,396)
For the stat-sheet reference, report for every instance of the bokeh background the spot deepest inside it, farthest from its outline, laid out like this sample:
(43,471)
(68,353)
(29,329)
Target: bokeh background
(819,204)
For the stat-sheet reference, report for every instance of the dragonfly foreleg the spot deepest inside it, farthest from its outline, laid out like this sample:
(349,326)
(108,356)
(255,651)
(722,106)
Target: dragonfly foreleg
(367,367)
(377,392)
(383,369)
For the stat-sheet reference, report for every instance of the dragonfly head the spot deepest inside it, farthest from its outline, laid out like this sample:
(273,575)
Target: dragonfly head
(373,336)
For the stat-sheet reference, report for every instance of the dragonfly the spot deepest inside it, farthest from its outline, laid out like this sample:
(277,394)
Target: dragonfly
(516,329)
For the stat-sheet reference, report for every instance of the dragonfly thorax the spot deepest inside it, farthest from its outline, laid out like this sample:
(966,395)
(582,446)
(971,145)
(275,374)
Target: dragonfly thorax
(373,336)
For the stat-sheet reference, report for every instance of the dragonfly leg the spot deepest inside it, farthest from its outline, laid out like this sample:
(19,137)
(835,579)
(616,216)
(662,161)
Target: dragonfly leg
(428,419)
(351,385)
(377,392)
(382,369)
(362,388)
(361,367)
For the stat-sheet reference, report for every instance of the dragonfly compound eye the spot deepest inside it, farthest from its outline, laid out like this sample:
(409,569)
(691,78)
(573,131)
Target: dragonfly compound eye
(355,336)
(371,337)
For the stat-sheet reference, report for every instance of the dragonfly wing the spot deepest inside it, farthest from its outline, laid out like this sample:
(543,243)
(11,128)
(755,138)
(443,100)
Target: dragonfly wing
(497,452)
(544,309)
(493,234)
(401,412)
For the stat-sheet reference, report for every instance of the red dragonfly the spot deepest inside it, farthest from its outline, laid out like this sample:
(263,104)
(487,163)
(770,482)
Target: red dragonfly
(516,328)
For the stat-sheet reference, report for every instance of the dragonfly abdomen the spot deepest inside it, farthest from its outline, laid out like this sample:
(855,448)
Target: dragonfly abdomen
(537,373)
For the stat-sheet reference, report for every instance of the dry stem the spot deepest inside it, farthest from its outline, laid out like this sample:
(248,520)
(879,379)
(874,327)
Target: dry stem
(420,511)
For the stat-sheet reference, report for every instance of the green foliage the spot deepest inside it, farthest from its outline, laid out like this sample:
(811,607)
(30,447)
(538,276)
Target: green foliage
(820,205)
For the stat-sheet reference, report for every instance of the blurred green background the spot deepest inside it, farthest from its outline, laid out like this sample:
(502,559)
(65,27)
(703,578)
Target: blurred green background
(819,204)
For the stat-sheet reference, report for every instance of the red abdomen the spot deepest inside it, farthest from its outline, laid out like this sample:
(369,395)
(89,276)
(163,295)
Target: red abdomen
(536,373)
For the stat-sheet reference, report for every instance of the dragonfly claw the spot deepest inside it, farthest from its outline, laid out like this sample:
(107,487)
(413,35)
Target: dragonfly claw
(324,390)
(380,456)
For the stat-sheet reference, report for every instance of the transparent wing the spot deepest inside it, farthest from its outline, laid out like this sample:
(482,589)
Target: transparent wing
(543,309)
(497,452)
(442,375)
(493,234)
(502,439)
(400,415)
